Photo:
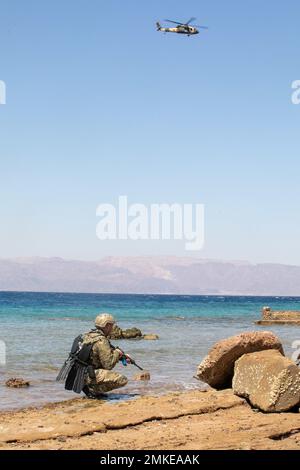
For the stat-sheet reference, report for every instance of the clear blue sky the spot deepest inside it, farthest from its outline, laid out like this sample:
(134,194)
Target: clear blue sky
(99,105)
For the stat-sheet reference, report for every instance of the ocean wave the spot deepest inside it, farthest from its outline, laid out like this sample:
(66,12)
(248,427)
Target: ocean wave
(66,319)
(172,317)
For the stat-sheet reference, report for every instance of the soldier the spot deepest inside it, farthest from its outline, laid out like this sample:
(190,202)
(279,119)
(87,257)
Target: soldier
(89,366)
(103,359)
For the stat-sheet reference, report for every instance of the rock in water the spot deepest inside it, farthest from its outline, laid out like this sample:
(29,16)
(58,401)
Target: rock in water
(116,332)
(151,337)
(131,333)
(143,376)
(17,383)
(270,317)
(270,381)
(218,367)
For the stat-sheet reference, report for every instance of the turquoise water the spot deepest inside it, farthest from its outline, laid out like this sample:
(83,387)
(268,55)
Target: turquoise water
(38,329)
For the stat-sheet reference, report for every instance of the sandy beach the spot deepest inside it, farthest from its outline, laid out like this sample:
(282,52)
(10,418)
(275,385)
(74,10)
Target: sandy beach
(190,420)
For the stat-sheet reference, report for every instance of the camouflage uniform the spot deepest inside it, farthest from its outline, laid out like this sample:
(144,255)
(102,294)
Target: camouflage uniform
(103,359)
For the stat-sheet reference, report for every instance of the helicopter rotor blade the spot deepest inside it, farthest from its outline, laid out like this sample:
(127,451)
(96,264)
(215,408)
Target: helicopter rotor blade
(175,22)
(188,22)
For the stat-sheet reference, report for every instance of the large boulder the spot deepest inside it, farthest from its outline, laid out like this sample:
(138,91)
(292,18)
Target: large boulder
(218,367)
(270,381)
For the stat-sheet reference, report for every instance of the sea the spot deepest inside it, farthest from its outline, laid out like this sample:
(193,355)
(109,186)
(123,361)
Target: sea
(37,331)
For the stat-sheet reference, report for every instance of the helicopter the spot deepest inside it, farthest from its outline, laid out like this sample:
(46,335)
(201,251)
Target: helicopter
(181,28)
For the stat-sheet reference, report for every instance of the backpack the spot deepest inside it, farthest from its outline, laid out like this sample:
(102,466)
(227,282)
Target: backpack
(76,367)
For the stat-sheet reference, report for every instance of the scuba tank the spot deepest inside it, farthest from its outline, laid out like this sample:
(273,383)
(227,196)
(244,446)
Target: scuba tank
(76,367)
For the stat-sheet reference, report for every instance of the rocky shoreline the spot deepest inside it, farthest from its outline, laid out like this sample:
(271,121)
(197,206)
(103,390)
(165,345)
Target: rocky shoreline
(190,420)
(252,402)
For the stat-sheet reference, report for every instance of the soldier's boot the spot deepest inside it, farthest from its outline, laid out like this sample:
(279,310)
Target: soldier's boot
(88,392)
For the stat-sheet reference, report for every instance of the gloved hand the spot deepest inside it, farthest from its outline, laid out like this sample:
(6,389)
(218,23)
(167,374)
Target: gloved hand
(124,358)
(128,359)
(120,352)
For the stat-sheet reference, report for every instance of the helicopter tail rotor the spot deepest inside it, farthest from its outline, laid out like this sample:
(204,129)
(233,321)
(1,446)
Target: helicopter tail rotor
(158,26)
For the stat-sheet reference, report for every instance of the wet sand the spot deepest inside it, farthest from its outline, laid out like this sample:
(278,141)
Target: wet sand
(190,420)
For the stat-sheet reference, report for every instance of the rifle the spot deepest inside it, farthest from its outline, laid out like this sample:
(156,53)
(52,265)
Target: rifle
(124,358)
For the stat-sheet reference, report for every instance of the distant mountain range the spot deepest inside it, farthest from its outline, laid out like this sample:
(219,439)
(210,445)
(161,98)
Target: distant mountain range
(149,275)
